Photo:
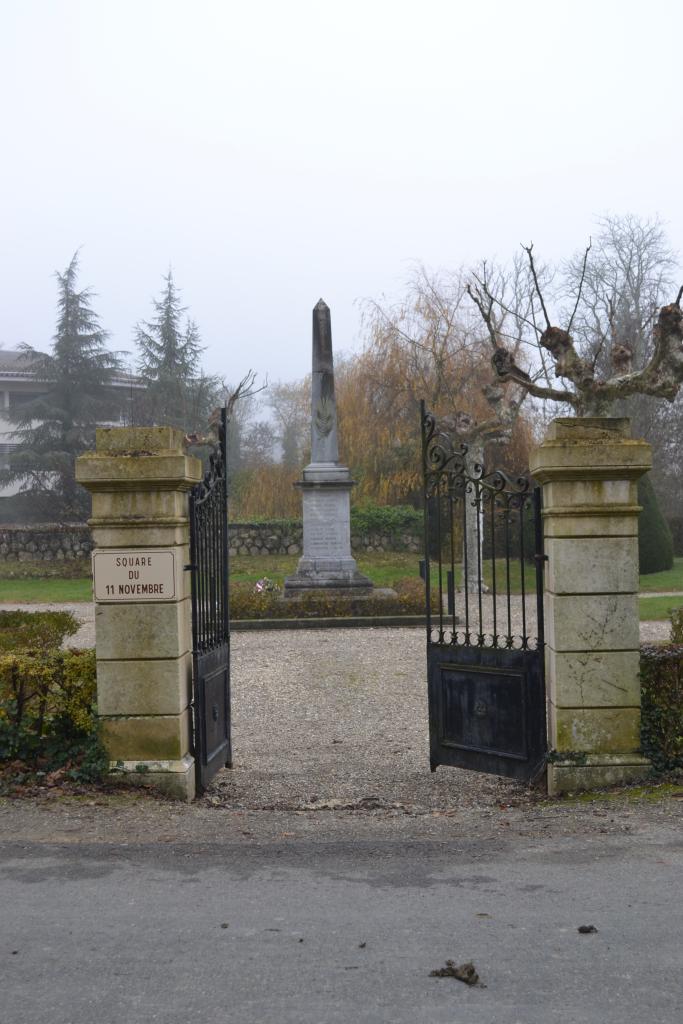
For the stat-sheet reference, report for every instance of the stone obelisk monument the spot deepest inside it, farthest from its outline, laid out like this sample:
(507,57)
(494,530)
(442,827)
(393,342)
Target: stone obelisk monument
(327,563)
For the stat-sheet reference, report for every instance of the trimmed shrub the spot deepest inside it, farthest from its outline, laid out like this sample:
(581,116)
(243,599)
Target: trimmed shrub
(37,688)
(661,674)
(386,519)
(35,631)
(654,536)
(364,519)
(48,722)
(282,524)
(677,626)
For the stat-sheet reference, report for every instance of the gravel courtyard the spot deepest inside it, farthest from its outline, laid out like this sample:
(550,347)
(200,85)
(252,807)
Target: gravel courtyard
(330,739)
(336,719)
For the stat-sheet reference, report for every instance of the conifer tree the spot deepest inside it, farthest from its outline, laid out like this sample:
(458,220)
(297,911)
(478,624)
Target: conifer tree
(178,393)
(655,543)
(55,427)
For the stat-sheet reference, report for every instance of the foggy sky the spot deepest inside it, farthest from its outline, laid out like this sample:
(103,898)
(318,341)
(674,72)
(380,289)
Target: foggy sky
(277,152)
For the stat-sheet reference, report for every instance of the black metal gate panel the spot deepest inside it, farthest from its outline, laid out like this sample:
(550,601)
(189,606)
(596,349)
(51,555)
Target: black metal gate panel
(211,616)
(485,647)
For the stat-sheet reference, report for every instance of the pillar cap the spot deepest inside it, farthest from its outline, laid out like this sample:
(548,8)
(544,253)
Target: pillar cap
(138,459)
(97,471)
(139,440)
(590,448)
(589,428)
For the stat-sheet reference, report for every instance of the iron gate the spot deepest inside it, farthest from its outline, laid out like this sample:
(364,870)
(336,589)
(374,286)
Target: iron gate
(485,649)
(210,616)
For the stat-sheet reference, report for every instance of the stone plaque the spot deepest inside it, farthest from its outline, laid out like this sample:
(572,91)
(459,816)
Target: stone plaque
(326,524)
(134,575)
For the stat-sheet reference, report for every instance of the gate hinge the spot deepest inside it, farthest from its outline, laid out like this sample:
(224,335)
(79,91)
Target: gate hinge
(190,567)
(541,558)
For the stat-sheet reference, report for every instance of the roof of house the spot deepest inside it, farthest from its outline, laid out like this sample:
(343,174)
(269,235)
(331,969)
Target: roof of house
(16,360)
(15,364)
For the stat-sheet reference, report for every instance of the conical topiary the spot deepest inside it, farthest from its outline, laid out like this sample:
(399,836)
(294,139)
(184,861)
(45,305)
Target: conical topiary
(654,536)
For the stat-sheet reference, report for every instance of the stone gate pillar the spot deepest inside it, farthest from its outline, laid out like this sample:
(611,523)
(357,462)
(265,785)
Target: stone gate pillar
(589,469)
(139,478)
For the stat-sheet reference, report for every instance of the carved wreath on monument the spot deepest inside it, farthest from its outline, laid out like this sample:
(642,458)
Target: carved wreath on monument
(324,416)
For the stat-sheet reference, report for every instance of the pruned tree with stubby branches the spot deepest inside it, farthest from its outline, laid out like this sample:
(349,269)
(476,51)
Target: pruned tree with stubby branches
(612,337)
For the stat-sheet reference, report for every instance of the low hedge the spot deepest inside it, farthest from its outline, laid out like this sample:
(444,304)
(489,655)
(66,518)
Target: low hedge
(35,631)
(37,690)
(286,525)
(661,675)
(48,721)
(676,527)
(246,604)
(386,519)
(365,519)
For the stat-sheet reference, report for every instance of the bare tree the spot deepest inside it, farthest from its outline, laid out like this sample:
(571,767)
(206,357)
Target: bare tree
(290,404)
(618,340)
(238,401)
(622,286)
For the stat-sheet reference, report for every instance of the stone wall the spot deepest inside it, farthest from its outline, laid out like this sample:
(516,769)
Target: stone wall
(265,538)
(402,541)
(44,542)
(278,539)
(50,542)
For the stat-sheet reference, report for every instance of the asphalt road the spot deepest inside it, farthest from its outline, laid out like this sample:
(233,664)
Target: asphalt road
(332,932)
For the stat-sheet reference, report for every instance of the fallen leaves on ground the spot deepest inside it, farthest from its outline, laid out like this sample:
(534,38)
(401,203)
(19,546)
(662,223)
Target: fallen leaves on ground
(463,972)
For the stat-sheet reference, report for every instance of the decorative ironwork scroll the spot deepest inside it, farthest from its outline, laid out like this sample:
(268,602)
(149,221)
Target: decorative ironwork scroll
(482,524)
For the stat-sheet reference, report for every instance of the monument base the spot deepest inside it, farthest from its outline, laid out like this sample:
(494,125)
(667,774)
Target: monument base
(353,603)
(327,564)
(315,575)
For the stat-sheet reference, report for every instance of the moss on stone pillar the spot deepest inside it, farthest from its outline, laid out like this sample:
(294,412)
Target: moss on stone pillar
(589,469)
(139,479)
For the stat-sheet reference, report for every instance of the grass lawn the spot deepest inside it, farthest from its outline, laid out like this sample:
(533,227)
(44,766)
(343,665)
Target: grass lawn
(36,591)
(670,579)
(384,569)
(652,608)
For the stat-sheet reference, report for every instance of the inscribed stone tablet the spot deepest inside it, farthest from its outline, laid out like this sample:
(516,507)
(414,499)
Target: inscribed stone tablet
(134,575)
(326,524)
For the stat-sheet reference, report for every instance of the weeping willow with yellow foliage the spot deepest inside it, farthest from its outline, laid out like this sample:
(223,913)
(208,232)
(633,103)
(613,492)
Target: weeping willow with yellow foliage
(265,492)
(426,347)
